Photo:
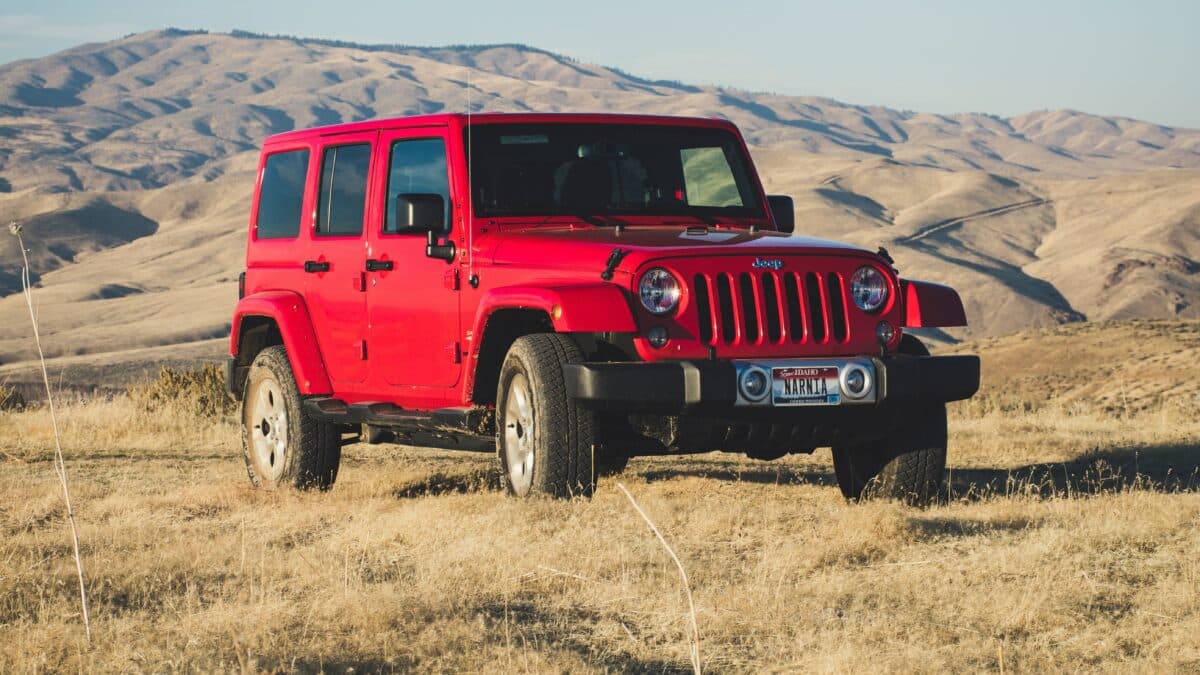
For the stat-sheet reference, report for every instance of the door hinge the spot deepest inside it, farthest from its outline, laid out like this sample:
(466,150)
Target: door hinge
(454,351)
(451,279)
(361,282)
(363,350)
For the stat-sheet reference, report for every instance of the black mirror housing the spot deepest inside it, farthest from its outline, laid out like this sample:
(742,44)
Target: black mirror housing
(783,212)
(434,249)
(418,211)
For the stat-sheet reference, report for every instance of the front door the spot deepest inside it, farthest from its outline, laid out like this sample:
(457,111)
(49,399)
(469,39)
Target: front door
(335,292)
(412,299)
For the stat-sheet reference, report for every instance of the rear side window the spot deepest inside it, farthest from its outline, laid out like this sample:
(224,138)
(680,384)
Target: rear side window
(281,198)
(343,189)
(417,166)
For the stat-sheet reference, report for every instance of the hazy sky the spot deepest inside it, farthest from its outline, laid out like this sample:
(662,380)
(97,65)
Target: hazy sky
(1138,59)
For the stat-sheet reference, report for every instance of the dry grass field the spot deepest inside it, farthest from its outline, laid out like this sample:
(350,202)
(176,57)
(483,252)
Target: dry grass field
(1069,540)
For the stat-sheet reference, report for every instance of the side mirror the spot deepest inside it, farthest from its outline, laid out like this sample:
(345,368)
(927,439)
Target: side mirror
(440,251)
(420,211)
(783,211)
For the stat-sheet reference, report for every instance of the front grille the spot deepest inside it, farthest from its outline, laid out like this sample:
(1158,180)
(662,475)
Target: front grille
(771,307)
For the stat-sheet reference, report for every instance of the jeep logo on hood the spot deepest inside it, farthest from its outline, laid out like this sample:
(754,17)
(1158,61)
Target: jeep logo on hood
(767,263)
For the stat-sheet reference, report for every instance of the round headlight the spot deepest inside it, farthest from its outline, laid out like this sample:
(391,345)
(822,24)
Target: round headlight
(869,289)
(659,290)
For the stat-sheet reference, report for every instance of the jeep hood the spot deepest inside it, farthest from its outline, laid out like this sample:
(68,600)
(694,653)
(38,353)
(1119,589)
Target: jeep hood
(589,247)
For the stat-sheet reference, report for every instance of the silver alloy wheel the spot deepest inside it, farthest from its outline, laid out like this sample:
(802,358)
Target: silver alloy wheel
(269,428)
(518,434)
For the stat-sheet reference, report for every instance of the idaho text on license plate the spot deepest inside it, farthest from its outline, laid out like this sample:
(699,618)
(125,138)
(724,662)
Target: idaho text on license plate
(805,386)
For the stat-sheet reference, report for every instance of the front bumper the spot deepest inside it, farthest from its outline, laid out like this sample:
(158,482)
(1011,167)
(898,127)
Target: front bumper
(692,386)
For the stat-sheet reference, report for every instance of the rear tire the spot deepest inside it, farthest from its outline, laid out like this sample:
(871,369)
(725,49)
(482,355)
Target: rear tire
(281,445)
(544,440)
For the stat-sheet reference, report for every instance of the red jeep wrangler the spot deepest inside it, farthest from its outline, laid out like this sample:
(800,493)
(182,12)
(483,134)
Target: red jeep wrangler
(569,291)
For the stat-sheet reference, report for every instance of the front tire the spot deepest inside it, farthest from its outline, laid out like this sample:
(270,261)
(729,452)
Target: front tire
(909,465)
(543,438)
(282,446)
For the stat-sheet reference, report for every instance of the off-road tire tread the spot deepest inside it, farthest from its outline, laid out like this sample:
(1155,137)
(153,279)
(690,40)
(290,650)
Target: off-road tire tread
(318,451)
(916,469)
(915,476)
(563,463)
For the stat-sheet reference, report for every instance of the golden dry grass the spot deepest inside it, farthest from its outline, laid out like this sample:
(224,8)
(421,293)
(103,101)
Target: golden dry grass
(1069,541)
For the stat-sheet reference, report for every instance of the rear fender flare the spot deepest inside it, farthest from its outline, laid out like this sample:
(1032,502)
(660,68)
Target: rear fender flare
(290,315)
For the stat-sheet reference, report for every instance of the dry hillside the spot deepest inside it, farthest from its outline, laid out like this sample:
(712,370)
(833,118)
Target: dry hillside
(130,165)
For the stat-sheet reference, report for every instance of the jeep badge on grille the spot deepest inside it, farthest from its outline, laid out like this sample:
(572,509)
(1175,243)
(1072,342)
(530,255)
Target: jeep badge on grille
(767,263)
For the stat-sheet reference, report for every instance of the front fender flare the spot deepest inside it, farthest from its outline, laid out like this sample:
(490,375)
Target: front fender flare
(572,308)
(291,316)
(930,305)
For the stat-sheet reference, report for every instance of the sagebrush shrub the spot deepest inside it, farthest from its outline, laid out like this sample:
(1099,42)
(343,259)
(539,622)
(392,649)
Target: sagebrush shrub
(201,391)
(10,398)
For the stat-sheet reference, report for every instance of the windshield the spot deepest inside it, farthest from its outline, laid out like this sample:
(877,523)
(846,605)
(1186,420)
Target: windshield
(608,169)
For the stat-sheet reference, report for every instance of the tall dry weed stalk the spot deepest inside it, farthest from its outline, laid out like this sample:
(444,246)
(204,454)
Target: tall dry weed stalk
(687,587)
(60,466)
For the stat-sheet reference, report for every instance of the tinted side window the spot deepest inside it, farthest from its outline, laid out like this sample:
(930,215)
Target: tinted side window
(281,198)
(343,189)
(417,166)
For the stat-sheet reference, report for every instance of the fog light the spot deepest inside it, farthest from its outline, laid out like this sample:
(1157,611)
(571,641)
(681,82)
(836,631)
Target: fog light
(657,335)
(885,333)
(755,384)
(855,381)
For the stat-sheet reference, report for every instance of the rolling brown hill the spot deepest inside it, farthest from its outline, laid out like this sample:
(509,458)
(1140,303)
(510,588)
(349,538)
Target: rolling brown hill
(130,164)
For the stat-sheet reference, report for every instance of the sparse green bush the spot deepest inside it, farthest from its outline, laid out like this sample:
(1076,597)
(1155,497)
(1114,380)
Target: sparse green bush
(10,398)
(200,391)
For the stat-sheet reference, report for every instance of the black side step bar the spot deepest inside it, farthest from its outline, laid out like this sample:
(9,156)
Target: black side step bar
(466,428)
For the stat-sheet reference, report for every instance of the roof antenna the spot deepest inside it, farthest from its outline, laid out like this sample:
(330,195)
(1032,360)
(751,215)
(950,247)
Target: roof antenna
(472,278)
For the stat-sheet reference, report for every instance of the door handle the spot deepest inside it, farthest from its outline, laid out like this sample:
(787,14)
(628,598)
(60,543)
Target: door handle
(374,265)
(312,266)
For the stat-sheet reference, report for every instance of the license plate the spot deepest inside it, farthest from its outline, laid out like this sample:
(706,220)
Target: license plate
(805,386)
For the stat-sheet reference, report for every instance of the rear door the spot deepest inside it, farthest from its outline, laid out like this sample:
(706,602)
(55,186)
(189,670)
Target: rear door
(275,254)
(336,290)
(413,303)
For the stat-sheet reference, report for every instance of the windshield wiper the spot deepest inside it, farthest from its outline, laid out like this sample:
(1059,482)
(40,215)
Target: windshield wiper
(707,220)
(597,219)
